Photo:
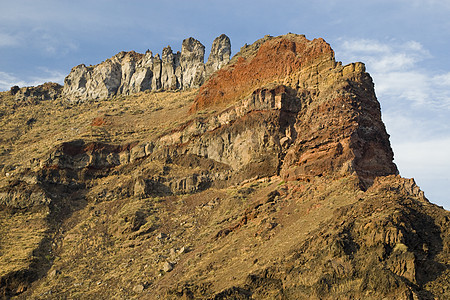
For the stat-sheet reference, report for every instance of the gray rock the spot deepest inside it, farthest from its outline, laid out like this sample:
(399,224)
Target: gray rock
(54,273)
(167,267)
(157,67)
(138,288)
(161,236)
(130,72)
(46,91)
(220,54)
(14,90)
(183,250)
(23,195)
(190,184)
(140,187)
(191,63)
(142,78)
(170,62)
(137,152)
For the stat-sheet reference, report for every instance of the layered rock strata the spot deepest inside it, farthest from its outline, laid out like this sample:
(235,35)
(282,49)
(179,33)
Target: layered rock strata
(130,72)
(328,118)
(285,107)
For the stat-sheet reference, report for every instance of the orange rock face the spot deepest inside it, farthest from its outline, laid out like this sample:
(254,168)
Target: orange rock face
(275,60)
(325,118)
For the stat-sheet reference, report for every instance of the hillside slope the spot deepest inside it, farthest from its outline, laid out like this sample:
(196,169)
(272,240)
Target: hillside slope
(274,180)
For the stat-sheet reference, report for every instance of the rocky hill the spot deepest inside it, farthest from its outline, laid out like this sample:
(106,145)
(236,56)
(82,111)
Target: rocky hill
(273,180)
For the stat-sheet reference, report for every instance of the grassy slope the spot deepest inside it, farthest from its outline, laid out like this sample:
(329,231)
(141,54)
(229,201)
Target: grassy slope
(30,130)
(109,246)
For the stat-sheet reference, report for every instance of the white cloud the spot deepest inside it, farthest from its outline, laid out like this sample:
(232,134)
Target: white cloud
(47,75)
(423,90)
(395,67)
(413,86)
(414,154)
(364,46)
(428,161)
(8,80)
(442,79)
(8,40)
(391,62)
(416,46)
(387,56)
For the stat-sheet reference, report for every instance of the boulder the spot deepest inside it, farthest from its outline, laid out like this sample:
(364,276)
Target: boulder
(167,267)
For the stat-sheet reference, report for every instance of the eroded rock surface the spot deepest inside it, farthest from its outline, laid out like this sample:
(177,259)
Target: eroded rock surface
(46,91)
(220,54)
(130,72)
(329,122)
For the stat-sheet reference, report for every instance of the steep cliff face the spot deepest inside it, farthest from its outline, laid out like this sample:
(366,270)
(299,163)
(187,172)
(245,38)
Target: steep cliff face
(268,60)
(274,180)
(220,54)
(329,119)
(130,72)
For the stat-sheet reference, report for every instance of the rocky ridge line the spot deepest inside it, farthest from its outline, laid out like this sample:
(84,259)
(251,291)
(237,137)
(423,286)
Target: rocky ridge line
(310,117)
(130,72)
(43,92)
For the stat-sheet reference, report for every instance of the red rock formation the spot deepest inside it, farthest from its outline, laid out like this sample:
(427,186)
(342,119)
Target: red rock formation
(330,121)
(275,59)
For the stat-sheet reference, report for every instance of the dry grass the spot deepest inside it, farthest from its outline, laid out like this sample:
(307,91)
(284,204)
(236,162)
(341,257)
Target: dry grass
(101,256)
(116,241)
(29,131)
(20,235)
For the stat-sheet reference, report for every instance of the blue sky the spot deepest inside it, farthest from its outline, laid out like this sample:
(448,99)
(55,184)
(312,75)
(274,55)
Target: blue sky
(405,45)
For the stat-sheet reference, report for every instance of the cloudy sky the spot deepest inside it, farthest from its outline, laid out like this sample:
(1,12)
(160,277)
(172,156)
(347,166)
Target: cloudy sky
(405,45)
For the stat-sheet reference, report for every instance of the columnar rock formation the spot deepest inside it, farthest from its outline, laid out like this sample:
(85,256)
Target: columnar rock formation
(130,72)
(220,54)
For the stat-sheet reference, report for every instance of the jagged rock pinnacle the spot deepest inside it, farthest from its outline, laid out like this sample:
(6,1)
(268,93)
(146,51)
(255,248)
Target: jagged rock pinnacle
(130,72)
(192,62)
(220,54)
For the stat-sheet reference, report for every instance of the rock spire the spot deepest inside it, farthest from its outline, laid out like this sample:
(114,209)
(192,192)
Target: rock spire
(130,72)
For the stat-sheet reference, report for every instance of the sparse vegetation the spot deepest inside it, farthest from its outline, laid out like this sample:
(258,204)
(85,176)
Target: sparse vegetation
(136,198)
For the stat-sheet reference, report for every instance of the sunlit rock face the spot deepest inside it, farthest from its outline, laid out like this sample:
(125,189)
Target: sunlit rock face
(327,118)
(130,72)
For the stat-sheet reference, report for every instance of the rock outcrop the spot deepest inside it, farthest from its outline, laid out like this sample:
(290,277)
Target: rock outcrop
(220,54)
(46,91)
(285,107)
(328,119)
(130,72)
